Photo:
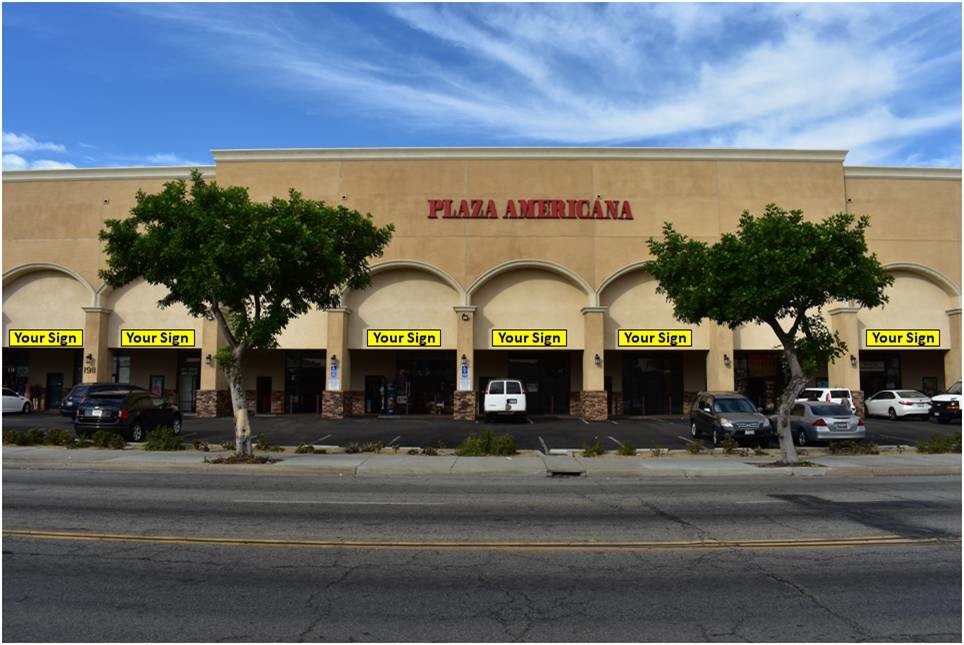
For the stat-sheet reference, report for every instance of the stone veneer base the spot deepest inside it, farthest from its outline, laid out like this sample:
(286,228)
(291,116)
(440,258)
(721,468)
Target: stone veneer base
(214,403)
(463,405)
(333,404)
(592,404)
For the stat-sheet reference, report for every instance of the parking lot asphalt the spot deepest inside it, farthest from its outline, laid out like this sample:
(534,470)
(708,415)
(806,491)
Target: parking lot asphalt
(556,432)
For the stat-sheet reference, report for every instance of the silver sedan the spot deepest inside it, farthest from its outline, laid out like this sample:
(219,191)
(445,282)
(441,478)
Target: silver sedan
(814,421)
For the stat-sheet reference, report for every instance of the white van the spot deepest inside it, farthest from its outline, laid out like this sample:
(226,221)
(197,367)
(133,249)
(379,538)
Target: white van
(505,397)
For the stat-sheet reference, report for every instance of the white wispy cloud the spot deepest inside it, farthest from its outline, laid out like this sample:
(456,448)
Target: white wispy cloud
(16,162)
(13,142)
(875,79)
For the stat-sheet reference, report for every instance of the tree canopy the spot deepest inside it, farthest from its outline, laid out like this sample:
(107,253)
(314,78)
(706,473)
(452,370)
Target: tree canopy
(777,269)
(253,266)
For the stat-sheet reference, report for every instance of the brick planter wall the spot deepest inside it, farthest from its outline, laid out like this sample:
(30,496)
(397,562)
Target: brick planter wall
(354,403)
(277,402)
(214,403)
(332,404)
(859,402)
(617,410)
(575,403)
(593,405)
(463,405)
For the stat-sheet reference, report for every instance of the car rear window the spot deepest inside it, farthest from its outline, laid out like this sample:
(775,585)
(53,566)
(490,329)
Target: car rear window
(840,394)
(830,411)
(911,394)
(107,397)
(734,405)
(497,387)
(813,395)
(513,387)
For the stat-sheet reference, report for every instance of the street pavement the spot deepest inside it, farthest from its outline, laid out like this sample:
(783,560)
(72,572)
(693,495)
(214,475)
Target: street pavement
(470,559)
(556,432)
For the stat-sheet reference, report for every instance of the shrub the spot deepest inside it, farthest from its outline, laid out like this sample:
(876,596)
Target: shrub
(352,447)
(429,451)
(413,451)
(29,438)
(57,437)
(308,449)
(487,443)
(759,451)
(163,439)
(79,442)
(853,448)
(695,447)
(627,450)
(657,452)
(200,444)
(592,450)
(237,458)
(729,445)
(261,442)
(941,443)
(104,439)
(372,446)
(228,445)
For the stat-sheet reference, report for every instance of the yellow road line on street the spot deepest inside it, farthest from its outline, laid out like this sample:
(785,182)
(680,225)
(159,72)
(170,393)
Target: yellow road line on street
(786,543)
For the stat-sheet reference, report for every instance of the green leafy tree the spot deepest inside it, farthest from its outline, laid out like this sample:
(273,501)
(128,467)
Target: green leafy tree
(252,266)
(778,270)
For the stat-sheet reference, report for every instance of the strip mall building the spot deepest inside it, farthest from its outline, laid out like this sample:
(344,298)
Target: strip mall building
(523,263)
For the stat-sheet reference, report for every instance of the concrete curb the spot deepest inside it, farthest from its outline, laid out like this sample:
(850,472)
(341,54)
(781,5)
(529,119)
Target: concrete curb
(371,465)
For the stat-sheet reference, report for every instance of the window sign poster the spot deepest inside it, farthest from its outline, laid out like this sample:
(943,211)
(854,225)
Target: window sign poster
(334,381)
(157,385)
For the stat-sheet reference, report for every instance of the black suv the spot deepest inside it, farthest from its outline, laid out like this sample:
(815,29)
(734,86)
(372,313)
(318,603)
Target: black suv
(68,407)
(728,414)
(129,412)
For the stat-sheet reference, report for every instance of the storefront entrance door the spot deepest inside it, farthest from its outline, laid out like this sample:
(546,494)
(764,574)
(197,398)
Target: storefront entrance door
(652,383)
(55,389)
(545,376)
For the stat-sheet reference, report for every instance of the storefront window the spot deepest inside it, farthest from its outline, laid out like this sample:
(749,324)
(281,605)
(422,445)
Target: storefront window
(121,372)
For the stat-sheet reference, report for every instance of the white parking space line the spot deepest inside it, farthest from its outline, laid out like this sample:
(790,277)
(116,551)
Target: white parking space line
(531,422)
(584,421)
(333,502)
(685,439)
(766,501)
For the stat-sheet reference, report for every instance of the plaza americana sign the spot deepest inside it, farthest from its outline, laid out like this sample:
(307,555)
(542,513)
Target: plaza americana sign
(530,209)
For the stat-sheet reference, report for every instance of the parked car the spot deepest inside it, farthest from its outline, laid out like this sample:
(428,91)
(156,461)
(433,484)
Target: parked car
(815,421)
(947,405)
(728,414)
(132,413)
(505,397)
(14,402)
(898,403)
(77,395)
(838,395)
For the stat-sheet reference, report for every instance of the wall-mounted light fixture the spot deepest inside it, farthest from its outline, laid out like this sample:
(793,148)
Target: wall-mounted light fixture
(465,317)
(597,360)
(464,361)
(726,360)
(853,361)
(209,360)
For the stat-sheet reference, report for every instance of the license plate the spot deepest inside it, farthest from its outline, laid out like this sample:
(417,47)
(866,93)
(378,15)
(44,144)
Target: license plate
(513,400)
(749,432)
(96,412)
(840,426)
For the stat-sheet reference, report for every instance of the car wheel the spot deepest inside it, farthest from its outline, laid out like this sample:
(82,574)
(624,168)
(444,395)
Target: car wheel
(176,425)
(716,436)
(694,431)
(137,432)
(27,408)
(801,438)
(892,414)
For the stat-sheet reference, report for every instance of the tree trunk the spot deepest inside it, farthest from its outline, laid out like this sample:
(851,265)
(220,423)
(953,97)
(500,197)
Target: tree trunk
(242,425)
(798,381)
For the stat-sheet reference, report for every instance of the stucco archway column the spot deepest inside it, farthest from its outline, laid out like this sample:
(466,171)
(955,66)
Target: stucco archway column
(952,359)
(592,400)
(97,368)
(213,397)
(464,404)
(719,360)
(336,399)
(841,372)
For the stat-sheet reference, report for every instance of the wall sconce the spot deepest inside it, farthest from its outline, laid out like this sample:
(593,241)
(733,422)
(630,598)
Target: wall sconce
(597,360)
(465,317)
(726,360)
(209,360)
(853,361)
(465,359)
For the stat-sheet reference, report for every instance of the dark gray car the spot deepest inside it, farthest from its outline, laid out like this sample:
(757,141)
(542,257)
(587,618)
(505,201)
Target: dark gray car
(728,414)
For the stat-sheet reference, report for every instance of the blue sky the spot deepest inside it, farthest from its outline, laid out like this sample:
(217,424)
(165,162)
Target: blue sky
(128,85)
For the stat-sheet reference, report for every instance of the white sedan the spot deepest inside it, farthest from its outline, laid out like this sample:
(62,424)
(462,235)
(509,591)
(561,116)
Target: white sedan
(898,403)
(13,402)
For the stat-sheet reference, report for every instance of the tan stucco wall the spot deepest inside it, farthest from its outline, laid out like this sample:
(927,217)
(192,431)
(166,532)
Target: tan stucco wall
(309,331)
(529,299)
(915,303)
(915,365)
(634,304)
(44,300)
(402,299)
(371,362)
(135,307)
(265,363)
(148,362)
(44,360)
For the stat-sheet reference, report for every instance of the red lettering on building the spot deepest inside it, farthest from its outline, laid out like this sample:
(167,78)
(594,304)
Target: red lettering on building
(614,209)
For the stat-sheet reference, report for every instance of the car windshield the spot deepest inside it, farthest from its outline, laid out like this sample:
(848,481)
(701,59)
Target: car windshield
(954,389)
(911,394)
(733,405)
(830,411)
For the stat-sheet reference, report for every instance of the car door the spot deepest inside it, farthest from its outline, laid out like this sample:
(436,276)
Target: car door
(141,410)
(798,417)
(11,402)
(876,404)
(163,415)
(704,415)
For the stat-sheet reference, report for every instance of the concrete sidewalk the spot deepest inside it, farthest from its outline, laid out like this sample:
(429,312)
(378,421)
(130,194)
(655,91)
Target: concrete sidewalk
(531,465)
